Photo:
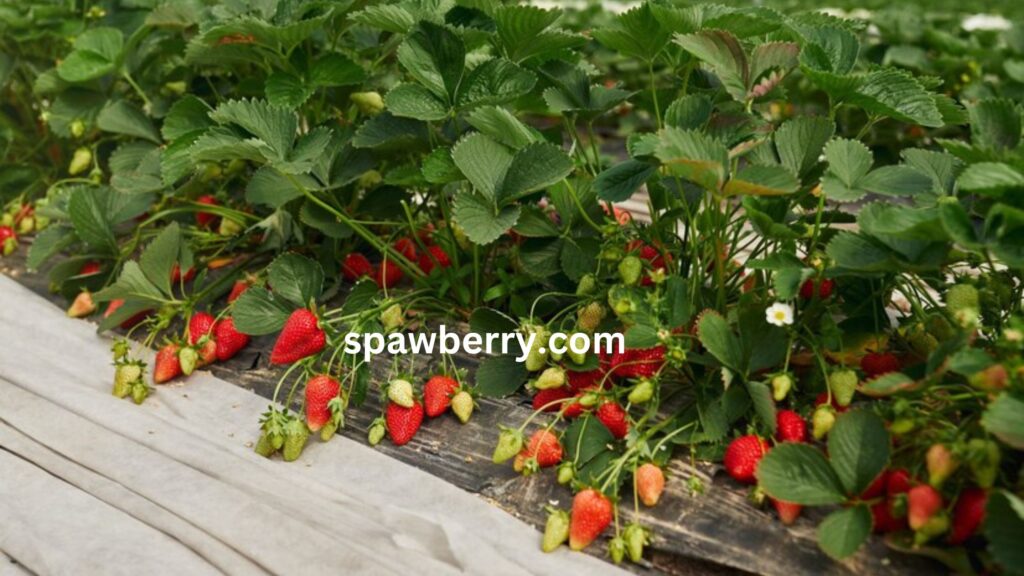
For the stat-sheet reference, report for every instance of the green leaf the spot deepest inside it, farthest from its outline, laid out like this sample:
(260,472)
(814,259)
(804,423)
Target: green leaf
(158,259)
(387,17)
(762,181)
(273,125)
(483,161)
(499,376)
(694,156)
(896,94)
(586,440)
(259,312)
(335,70)
(858,446)
(764,405)
(501,125)
(1004,418)
(269,187)
(187,116)
(787,281)
(800,474)
(724,54)
(896,181)
(941,167)
(496,81)
(132,286)
(1004,523)
(525,32)
(296,278)
(439,168)
(718,338)
(535,223)
(992,178)
(800,142)
(47,244)
(315,216)
(436,57)
(535,167)
(635,33)
(481,220)
(995,124)
(690,112)
(620,181)
(845,531)
(96,53)
(388,132)
(848,162)
(122,117)
(286,90)
(888,384)
(89,214)
(857,252)
(415,101)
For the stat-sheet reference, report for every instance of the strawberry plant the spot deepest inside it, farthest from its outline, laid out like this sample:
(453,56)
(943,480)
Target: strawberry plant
(824,292)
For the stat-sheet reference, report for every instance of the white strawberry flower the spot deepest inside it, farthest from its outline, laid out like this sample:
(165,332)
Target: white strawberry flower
(779,314)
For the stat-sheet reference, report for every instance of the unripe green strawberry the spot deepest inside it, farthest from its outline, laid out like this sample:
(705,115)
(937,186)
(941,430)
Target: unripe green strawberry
(577,358)
(140,391)
(921,342)
(642,392)
(984,457)
(264,447)
(189,359)
(27,225)
(400,392)
(369,179)
(77,128)
(535,359)
(939,327)
(630,269)
(589,400)
(295,436)
(391,318)
(553,377)
(376,432)
(941,463)
(556,530)
(229,227)
(961,297)
(566,472)
(843,384)
(80,161)
(369,103)
(635,537)
(590,316)
(510,442)
(617,549)
(125,376)
(822,421)
(781,385)
(991,379)
(935,526)
(587,285)
(329,430)
(462,406)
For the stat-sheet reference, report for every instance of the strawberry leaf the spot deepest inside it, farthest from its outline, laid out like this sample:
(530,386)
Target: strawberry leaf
(800,474)
(845,531)
(858,446)
(296,278)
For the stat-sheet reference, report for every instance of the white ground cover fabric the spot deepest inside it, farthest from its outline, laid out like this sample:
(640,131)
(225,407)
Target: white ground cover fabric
(90,484)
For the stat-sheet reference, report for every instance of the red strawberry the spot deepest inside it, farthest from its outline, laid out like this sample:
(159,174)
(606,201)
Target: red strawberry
(544,446)
(207,353)
(591,514)
(426,260)
(206,219)
(548,400)
(742,457)
(614,418)
(437,394)
(402,422)
(884,521)
(201,324)
(166,366)
(898,482)
(579,381)
(238,289)
(877,487)
(575,409)
(356,266)
(875,364)
(790,427)
(176,274)
(638,362)
(825,286)
(320,390)
(300,337)
(923,502)
(788,511)
(130,322)
(406,247)
(650,483)
(388,274)
(89,268)
(651,254)
(968,514)
(229,340)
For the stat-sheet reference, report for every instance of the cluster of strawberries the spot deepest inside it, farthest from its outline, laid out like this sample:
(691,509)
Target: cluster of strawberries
(356,266)
(404,410)
(209,340)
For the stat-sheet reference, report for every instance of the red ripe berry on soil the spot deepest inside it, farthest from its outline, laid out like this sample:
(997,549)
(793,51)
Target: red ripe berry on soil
(300,337)
(591,514)
(428,258)
(437,394)
(544,446)
(550,400)
(614,418)
(968,514)
(166,367)
(825,287)
(356,266)
(650,483)
(638,362)
(229,340)
(877,363)
(239,288)
(788,511)
(206,219)
(403,423)
(201,324)
(742,457)
(790,427)
(923,502)
(320,390)
(89,268)
(388,274)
